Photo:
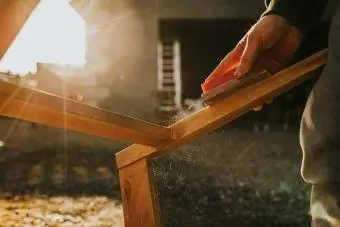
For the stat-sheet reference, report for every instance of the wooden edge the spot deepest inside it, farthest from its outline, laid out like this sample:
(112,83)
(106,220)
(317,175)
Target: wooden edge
(13,16)
(33,113)
(228,109)
(139,197)
(26,104)
(54,102)
(231,86)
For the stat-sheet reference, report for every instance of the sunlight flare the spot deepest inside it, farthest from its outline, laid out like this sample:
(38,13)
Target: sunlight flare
(54,34)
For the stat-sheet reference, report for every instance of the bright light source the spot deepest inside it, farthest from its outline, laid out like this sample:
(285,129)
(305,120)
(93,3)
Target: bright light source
(54,33)
(2,144)
(32,83)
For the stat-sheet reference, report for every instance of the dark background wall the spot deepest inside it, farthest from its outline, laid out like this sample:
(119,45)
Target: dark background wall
(212,9)
(205,42)
(208,29)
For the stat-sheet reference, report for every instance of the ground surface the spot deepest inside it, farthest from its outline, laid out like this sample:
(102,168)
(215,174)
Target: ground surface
(228,178)
(60,188)
(232,178)
(60,211)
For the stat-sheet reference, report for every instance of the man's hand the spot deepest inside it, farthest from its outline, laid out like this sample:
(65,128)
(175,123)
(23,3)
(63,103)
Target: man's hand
(270,44)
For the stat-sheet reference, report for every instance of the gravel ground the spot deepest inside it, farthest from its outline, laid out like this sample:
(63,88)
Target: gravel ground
(228,178)
(58,187)
(60,211)
(231,178)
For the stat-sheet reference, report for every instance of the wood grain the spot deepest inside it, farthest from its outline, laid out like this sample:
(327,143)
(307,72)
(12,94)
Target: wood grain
(44,108)
(228,109)
(139,198)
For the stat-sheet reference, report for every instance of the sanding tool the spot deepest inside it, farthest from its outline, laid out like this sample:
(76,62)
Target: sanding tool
(222,86)
(271,61)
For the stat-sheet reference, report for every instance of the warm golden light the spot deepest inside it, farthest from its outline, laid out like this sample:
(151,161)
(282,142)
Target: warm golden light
(54,34)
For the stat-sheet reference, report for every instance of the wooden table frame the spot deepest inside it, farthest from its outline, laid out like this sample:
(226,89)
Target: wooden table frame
(140,202)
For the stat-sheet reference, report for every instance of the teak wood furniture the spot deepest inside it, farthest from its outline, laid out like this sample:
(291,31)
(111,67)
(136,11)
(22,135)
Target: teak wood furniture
(140,203)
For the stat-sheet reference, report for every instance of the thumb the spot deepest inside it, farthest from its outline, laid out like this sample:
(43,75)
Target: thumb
(250,54)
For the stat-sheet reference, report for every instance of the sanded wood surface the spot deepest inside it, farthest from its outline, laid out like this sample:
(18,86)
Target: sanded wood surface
(13,15)
(228,109)
(45,108)
(140,203)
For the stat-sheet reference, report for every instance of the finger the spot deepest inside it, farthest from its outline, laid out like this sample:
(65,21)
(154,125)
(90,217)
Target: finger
(250,54)
(258,108)
(231,60)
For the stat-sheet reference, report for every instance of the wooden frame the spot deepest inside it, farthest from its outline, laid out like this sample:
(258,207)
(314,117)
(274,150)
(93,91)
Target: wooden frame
(227,109)
(140,202)
(45,108)
(139,198)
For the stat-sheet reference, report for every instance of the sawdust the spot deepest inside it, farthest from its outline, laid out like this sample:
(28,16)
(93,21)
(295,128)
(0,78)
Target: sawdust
(190,107)
(229,176)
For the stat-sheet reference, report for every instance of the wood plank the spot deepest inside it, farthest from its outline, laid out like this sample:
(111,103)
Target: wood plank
(140,202)
(13,15)
(228,109)
(44,108)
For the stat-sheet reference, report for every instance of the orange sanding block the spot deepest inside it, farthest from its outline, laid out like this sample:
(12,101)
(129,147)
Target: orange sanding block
(222,86)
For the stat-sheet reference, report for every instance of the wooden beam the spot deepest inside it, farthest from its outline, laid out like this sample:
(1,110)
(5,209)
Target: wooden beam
(227,109)
(44,108)
(13,15)
(139,198)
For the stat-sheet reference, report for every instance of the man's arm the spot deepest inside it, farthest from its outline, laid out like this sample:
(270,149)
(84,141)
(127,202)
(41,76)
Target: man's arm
(304,14)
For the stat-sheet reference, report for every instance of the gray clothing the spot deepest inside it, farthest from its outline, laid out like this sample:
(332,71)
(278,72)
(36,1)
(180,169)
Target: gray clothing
(320,137)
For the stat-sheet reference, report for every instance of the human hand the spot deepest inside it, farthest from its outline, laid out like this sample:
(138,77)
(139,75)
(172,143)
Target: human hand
(270,44)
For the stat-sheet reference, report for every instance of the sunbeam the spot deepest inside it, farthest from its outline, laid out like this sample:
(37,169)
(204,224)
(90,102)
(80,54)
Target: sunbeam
(62,42)
(96,28)
(16,121)
(65,137)
(8,99)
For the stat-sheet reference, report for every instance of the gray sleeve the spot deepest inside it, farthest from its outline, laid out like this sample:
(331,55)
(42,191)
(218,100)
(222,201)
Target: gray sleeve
(304,14)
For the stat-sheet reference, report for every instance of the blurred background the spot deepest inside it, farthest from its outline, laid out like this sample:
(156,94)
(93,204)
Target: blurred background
(147,59)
